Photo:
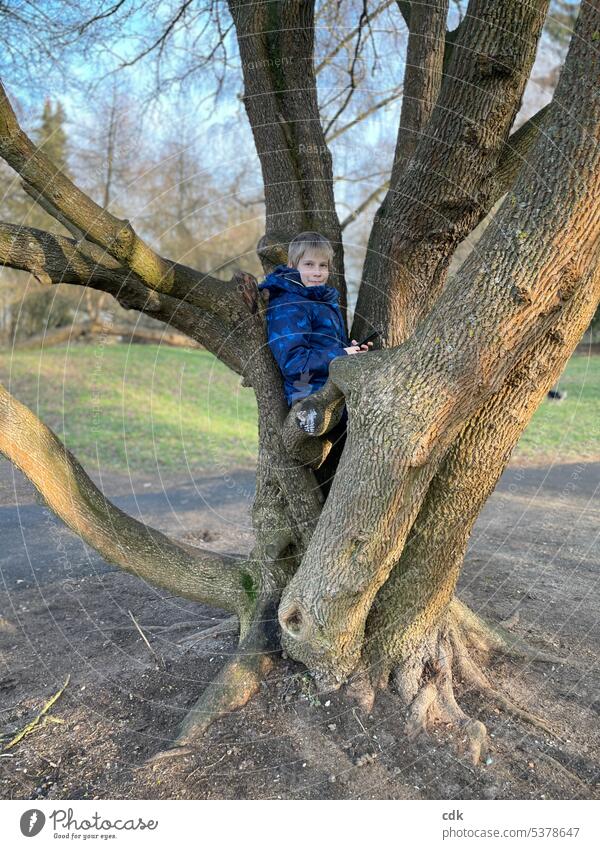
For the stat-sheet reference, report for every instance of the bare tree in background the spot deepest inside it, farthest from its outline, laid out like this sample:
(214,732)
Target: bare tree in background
(360,587)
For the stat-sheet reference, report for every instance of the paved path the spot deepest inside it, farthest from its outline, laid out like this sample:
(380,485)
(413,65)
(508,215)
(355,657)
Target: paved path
(536,518)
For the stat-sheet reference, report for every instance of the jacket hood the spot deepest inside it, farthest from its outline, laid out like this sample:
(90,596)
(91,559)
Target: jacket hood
(286,279)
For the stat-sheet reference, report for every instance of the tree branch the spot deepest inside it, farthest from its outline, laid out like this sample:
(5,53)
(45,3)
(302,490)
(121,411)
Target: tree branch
(276,43)
(48,207)
(136,548)
(422,77)
(451,179)
(57,259)
(350,35)
(116,236)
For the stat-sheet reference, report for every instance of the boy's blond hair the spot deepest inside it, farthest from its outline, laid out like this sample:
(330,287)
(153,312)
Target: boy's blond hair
(308,241)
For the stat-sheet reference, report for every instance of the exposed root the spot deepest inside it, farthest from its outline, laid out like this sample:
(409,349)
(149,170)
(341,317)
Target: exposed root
(433,700)
(487,637)
(232,688)
(416,722)
(361,690)
(473,676)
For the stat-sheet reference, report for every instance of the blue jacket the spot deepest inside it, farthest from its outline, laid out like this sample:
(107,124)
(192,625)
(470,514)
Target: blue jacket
(305,329)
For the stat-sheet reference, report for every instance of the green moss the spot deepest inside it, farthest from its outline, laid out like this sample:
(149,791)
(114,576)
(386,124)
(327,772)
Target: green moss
(249,587)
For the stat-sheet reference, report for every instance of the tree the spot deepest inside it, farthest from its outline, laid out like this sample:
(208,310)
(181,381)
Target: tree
(42,309)
(361,589)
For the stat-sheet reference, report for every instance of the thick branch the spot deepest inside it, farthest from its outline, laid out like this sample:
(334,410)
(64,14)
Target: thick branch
(57,259)
(135,547)
(422,78)
(116,236)
(407,406)
(276,43)
(48,207)
(450,181)
(515,153)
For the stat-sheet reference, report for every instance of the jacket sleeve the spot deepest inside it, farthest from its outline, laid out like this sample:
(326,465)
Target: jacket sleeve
(289,330)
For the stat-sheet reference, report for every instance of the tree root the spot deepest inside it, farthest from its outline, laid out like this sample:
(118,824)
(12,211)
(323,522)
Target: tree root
(232,688)
(487,637)
(435,702)
(429,695)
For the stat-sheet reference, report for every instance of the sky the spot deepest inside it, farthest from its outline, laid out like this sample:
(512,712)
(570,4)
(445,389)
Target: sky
(218,127)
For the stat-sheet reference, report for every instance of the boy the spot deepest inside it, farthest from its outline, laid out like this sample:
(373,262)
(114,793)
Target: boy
(306,330)
(305,327)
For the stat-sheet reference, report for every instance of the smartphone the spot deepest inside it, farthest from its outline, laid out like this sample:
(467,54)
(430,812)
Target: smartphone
(370,337)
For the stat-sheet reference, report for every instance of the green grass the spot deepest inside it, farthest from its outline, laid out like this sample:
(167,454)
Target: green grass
(143,408)
(139,407)
(568,430)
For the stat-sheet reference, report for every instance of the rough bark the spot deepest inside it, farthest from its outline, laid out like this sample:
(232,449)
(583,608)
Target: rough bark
(449,183)
(413,602)
(407,405)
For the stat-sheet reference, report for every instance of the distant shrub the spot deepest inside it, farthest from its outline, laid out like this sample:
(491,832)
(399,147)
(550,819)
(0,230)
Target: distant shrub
(39,312)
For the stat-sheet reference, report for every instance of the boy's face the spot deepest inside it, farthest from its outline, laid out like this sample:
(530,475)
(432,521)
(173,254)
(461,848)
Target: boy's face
(314,268)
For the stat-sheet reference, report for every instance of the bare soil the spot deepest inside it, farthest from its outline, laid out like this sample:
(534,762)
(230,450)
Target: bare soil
(532,562)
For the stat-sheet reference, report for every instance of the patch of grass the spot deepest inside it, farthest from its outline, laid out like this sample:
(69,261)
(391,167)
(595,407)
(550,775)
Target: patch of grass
(139,407)
(143,408)
(568,430)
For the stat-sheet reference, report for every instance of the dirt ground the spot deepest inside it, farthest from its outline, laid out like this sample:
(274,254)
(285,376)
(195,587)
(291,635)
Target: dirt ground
(533,561)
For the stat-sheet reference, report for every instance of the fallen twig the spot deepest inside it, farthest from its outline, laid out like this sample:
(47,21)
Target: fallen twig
(225,626)
(159,659)
(33,724)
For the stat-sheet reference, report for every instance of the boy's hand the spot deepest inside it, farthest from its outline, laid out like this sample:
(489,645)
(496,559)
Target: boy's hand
(357,349)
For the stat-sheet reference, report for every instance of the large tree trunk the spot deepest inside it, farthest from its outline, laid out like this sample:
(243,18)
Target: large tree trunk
(409,404)
(363,582)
